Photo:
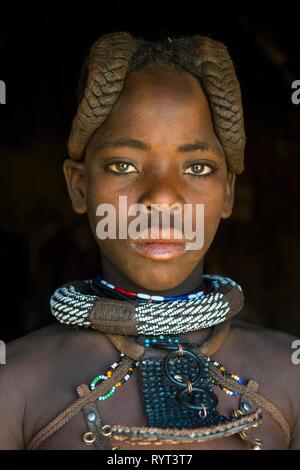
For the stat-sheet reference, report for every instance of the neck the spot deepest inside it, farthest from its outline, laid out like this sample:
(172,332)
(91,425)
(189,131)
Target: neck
(113,275)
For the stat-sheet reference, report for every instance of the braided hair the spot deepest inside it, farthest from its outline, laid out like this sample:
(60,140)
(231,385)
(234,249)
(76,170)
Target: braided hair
(116,54)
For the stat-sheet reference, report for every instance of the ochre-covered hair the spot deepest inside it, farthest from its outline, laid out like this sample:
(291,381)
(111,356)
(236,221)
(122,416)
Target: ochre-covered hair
(114,55)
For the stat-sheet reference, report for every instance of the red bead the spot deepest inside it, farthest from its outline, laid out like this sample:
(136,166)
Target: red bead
(126,292)
(122,291)
(132,294)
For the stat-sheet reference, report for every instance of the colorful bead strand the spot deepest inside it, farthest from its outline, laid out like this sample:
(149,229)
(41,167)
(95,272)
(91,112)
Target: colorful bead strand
(149,298)
(161,340)
(231,376)
(108,374)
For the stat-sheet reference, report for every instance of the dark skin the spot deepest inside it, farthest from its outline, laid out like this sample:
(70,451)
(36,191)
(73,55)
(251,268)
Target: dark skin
(164,114)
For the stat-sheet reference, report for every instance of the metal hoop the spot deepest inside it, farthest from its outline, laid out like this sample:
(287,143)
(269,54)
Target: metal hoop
(211,396)
(177,353)
(89,438)
(106,430)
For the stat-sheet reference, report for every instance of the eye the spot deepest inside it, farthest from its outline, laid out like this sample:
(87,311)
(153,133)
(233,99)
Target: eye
(121,167)
(199,169)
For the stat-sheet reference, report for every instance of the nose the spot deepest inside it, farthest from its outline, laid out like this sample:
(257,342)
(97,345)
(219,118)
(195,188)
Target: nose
(163,192)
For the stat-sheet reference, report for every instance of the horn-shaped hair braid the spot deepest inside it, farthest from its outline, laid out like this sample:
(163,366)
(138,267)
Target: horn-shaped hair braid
(114,55)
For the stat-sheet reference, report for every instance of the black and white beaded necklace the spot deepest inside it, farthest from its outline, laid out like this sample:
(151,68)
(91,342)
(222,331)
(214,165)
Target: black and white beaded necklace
(220,299)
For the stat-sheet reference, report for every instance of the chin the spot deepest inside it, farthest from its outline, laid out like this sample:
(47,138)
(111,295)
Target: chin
(159,278)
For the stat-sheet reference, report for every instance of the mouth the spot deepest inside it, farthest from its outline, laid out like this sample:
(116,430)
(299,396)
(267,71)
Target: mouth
(159,249)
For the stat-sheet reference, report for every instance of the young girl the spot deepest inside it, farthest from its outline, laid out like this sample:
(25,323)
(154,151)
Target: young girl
(150,354)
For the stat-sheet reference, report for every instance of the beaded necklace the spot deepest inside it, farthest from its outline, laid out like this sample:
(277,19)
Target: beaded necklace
(154,298)
(82,304)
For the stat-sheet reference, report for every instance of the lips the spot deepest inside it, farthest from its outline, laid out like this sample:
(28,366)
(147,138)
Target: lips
(159,249)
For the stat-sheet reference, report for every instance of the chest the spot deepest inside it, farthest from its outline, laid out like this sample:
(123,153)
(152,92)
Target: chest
(126,406)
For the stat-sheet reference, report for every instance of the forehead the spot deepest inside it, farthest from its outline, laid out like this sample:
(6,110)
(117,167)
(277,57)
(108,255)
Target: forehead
(163,81)
(158,104)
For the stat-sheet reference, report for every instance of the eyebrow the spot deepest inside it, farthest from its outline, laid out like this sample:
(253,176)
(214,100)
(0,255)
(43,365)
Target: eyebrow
(140,145)
(133,143)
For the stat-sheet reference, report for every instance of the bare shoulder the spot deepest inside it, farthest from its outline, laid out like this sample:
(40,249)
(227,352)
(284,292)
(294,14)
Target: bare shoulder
(29,353)
(274,357)
(31,364)
(51,347)
(272,345)
(272,339)
(274,350)
(17,377)
(45,344)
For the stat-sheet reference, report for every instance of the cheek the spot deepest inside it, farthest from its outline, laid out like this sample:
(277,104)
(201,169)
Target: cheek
(92,204)
(101,190)
(213,207)
(98,193)
(114,253)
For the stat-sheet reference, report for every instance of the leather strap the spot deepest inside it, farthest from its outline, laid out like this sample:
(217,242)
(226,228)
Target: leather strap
(113,316)
(94,422)
(258,399)
(151,435)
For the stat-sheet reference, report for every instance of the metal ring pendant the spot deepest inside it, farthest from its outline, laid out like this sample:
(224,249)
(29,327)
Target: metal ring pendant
(186,352)
(212,399)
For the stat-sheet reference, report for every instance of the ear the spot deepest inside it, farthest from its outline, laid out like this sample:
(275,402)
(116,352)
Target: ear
(75,178)
(229,196)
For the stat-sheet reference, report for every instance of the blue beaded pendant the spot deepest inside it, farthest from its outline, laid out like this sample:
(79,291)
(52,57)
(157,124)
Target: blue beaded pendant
(177,389)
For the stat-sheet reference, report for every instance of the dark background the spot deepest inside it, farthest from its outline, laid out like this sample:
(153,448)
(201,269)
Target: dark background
(43,244)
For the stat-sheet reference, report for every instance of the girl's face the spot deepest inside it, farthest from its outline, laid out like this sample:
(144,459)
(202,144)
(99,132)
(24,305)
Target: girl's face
(157,146)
